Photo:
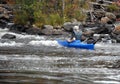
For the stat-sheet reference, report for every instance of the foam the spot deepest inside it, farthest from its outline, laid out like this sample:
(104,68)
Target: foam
(11,44)
(44,42)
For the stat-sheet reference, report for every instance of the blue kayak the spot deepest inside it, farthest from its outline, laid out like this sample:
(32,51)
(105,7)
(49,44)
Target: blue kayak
(76,44)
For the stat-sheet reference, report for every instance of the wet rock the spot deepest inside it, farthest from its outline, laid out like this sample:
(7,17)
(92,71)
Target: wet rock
(3,24)
(33,31)
(118,38)
(91,40)
(104,29)
(90,25)
(17,28)
(115,65)
(8,36)
(100,1)
(9,25)
(105,38)
(25,29)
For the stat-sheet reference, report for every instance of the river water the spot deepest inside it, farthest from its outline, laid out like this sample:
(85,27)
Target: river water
(31,59)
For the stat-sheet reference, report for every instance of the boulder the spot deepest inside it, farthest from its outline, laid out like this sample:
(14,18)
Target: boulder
(116,30)
(33,31)
(68,25)
(17,28)
(8,36)
(110,15)
(24,29)
(47,29)
(57,32)
(50,30)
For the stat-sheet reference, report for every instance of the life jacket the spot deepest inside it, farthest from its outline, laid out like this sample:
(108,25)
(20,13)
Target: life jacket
(77,35)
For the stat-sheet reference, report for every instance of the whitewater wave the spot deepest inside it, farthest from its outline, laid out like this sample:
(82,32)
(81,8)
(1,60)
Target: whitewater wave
(3,31)
(26,36)
(107,45)
(20,36)
(10,44)
(44,42)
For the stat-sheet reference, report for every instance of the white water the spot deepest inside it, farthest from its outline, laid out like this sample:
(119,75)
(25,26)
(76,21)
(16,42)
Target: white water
(41,40)
(43,54)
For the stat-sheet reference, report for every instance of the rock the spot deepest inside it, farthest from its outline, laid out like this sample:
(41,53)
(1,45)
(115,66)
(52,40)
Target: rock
(117,16)
(117,38)
(116,30)
(100,1)
(8,36)
(50,30)
(106,38)
(9,25)
(17,28)
(104,20)
(68,25)
(91,40)
(57,32)
(33,31)
(24,29)
(57,27)
(101,29)
(115,65)
(47,29)
(3,24)
(110,15)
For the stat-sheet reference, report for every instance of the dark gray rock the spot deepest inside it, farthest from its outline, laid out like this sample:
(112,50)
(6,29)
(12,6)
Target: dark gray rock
(117,37)
(8,36)
(25,29)
(34,31)
(68,25)
(17,28)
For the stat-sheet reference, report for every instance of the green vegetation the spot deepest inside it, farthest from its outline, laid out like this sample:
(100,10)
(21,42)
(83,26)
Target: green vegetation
(51,12)
(112,8)
(23,11)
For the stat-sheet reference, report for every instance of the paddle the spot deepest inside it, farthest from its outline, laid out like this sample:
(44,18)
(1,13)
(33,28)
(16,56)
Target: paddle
(91,40)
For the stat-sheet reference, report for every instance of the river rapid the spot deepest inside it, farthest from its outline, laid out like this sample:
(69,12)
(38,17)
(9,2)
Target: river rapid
(32,59)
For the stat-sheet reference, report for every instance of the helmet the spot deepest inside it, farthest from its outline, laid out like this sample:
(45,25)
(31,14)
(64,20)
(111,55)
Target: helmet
(75,28)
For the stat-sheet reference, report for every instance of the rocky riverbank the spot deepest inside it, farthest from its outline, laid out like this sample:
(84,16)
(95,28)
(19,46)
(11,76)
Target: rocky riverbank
(106,26)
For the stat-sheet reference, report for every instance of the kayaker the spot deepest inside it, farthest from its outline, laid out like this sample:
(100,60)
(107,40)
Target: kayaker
(76,34)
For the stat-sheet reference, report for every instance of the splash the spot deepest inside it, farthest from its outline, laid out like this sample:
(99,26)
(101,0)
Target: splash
(11,44)
(44,42)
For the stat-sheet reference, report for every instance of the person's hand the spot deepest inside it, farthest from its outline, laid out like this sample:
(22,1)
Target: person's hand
(69,40)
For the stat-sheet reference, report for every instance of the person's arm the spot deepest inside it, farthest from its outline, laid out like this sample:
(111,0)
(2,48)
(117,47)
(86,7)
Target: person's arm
(72,37)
